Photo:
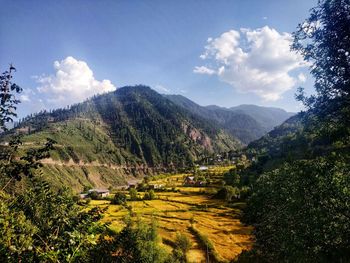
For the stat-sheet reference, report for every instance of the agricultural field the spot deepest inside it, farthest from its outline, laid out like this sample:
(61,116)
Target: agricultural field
(213,227)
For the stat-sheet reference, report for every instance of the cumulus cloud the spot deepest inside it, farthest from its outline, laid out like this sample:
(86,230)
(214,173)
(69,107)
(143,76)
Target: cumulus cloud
(72,82)
(255,61)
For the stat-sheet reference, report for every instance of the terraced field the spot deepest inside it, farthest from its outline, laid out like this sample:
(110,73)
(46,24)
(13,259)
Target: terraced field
(194,212)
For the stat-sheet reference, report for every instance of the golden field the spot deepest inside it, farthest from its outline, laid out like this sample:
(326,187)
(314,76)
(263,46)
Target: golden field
(177,211)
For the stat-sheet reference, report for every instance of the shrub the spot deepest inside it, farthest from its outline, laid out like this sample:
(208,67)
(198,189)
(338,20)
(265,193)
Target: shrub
(133,194)
(227,193)
(119,199)
(94,196)
(149,195)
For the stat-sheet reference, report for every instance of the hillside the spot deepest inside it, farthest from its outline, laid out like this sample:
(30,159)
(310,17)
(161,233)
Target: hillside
(245,122)
(131,131)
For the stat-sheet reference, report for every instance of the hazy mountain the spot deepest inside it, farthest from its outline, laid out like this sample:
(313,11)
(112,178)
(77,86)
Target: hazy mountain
(268,117)
(245,122)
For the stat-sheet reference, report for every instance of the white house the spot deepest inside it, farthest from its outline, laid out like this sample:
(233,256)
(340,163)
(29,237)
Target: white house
(100,192)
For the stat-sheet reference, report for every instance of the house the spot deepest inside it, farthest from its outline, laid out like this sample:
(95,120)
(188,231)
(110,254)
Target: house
(189,180)
(83,196)
(101,192)
(203,168)
(155,186)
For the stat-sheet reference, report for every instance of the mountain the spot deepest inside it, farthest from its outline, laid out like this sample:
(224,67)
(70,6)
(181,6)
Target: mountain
(245,122)
(267,117)
(131,131)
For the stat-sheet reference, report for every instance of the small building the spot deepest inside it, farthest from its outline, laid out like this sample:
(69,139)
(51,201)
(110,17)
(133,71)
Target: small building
(101,192)
(189,180)
(155,186)
(203,168)
(83,195)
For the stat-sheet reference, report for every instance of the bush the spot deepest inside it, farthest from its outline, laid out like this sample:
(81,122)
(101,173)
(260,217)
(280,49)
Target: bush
(119,199)
(149,195)
(227,193)
(94,196)
(133,194)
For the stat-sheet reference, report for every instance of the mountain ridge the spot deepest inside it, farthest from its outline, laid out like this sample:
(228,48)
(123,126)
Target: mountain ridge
(246,122)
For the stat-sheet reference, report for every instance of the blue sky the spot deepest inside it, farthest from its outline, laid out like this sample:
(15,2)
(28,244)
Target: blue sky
(156,43)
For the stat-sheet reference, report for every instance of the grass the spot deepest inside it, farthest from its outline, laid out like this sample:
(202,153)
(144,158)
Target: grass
(194,213)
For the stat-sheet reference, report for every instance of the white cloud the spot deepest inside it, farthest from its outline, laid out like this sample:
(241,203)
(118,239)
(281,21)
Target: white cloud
(301,77)
(73,82)
(253,61)
(203,70)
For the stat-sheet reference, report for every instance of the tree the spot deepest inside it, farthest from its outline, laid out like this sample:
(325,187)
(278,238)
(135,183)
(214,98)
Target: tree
(133,194)
(119,198)
(137,242)
(37,224)
(8,100)
(301,211)
(232,177)
(324,39)
(14,165)
(149,195)
(227,192)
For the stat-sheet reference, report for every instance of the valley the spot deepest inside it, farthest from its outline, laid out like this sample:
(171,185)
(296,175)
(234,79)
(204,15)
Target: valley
(192,211)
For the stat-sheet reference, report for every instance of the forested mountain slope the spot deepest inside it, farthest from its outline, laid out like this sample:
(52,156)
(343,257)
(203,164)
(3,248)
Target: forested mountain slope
(133,130)
(245,122)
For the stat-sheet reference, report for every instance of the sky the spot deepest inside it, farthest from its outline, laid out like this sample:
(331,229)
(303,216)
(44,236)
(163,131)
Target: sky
(218,52)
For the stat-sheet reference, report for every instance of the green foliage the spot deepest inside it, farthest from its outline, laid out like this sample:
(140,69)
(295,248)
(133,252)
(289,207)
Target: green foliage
(37,224)
(300,205)
(324,39)
(137,242)
(133,194)
(301,211)
(8,100)
(94,195)
(232,177)
(14,166)
(16,239)
(43,225)
(149,195)
(228,192)
(119,198)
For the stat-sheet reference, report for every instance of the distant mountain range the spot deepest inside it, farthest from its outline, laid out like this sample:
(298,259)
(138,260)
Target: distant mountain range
(245,122)
(134,131)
